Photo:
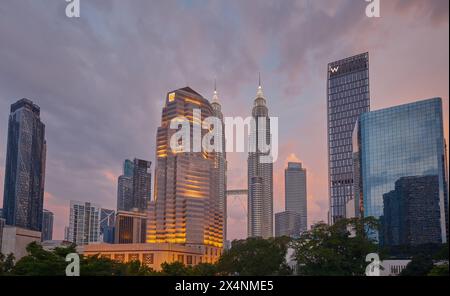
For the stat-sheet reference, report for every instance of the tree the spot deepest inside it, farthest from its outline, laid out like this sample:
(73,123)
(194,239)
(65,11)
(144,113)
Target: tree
(204,269)
(439,270)
(255,256)
(420,265)
(6,263)
(175,269)
(336,250)
(40,262)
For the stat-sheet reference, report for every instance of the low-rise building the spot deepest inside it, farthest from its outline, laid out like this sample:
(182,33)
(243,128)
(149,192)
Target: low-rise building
(15,240)
(154,254)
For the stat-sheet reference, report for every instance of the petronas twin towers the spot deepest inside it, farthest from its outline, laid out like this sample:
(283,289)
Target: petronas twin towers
(190,205)
(260,173)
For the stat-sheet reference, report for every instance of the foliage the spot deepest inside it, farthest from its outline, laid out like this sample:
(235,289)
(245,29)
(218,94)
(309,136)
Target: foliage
(439,270)
(6,263)
(337,250)
(420,265)
(255,256)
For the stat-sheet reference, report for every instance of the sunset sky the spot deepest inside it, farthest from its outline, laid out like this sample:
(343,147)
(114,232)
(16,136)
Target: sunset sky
(101,80)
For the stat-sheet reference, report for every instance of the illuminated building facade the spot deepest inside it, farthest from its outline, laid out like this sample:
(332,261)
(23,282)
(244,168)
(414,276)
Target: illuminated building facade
(260,174)
(186,206)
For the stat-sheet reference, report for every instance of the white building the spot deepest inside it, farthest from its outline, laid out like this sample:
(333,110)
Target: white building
(84,223)
(15,240)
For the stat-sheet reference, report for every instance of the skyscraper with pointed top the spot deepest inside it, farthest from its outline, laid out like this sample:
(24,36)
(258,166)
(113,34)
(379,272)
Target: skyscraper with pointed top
(220,162)
(260,173)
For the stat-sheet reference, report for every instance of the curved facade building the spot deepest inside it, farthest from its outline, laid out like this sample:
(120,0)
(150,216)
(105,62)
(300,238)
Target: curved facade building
(187,203)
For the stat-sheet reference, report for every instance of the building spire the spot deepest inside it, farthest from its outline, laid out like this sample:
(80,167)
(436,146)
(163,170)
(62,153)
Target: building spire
(259,93)
(215,98)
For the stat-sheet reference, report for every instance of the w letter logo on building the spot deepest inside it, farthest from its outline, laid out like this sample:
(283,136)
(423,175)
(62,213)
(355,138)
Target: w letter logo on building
(334,69)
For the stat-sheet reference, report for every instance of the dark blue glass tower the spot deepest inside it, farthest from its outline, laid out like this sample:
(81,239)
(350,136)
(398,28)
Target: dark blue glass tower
(404,143)
(25,167)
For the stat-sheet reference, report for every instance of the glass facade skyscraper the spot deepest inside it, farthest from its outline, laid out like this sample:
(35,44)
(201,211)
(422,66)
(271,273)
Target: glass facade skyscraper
(398,142)
(25,167)
(348,96)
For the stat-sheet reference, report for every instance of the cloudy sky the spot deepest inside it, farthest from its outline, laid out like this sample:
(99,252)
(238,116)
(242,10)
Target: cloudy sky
(101,80)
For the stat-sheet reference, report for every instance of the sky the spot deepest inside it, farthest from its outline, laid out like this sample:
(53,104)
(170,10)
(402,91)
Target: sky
(101,79)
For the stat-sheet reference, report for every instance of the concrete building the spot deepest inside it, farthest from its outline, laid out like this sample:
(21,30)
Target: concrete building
(131,227)
(260,171)
(15,240)
(153,255)
(348,96)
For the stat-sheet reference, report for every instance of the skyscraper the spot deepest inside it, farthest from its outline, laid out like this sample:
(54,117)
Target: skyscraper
(125,187)
(25,167)
(47,225)
(134,186)
(220,163)
(348,96)
(397,142)
(293,221)
(260,173)
(186,207)
(295,192)
(142,184)
(84,223)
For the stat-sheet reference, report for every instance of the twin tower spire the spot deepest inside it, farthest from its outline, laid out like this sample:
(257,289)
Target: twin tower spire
(259,92)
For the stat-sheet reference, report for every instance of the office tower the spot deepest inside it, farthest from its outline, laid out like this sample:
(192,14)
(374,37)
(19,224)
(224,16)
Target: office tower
(221,163)
(107,223)
(25,167)
(84,223)
(1,213)
(142,184)
(295,192)
(411,212)
(260,172)
(185,207)
(125,187)
(288,223)
(401,141)
(47,225)
(347,98)
(131,227)
(134,186)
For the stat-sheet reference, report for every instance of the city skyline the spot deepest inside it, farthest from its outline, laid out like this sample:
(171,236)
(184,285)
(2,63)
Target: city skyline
(294,82)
